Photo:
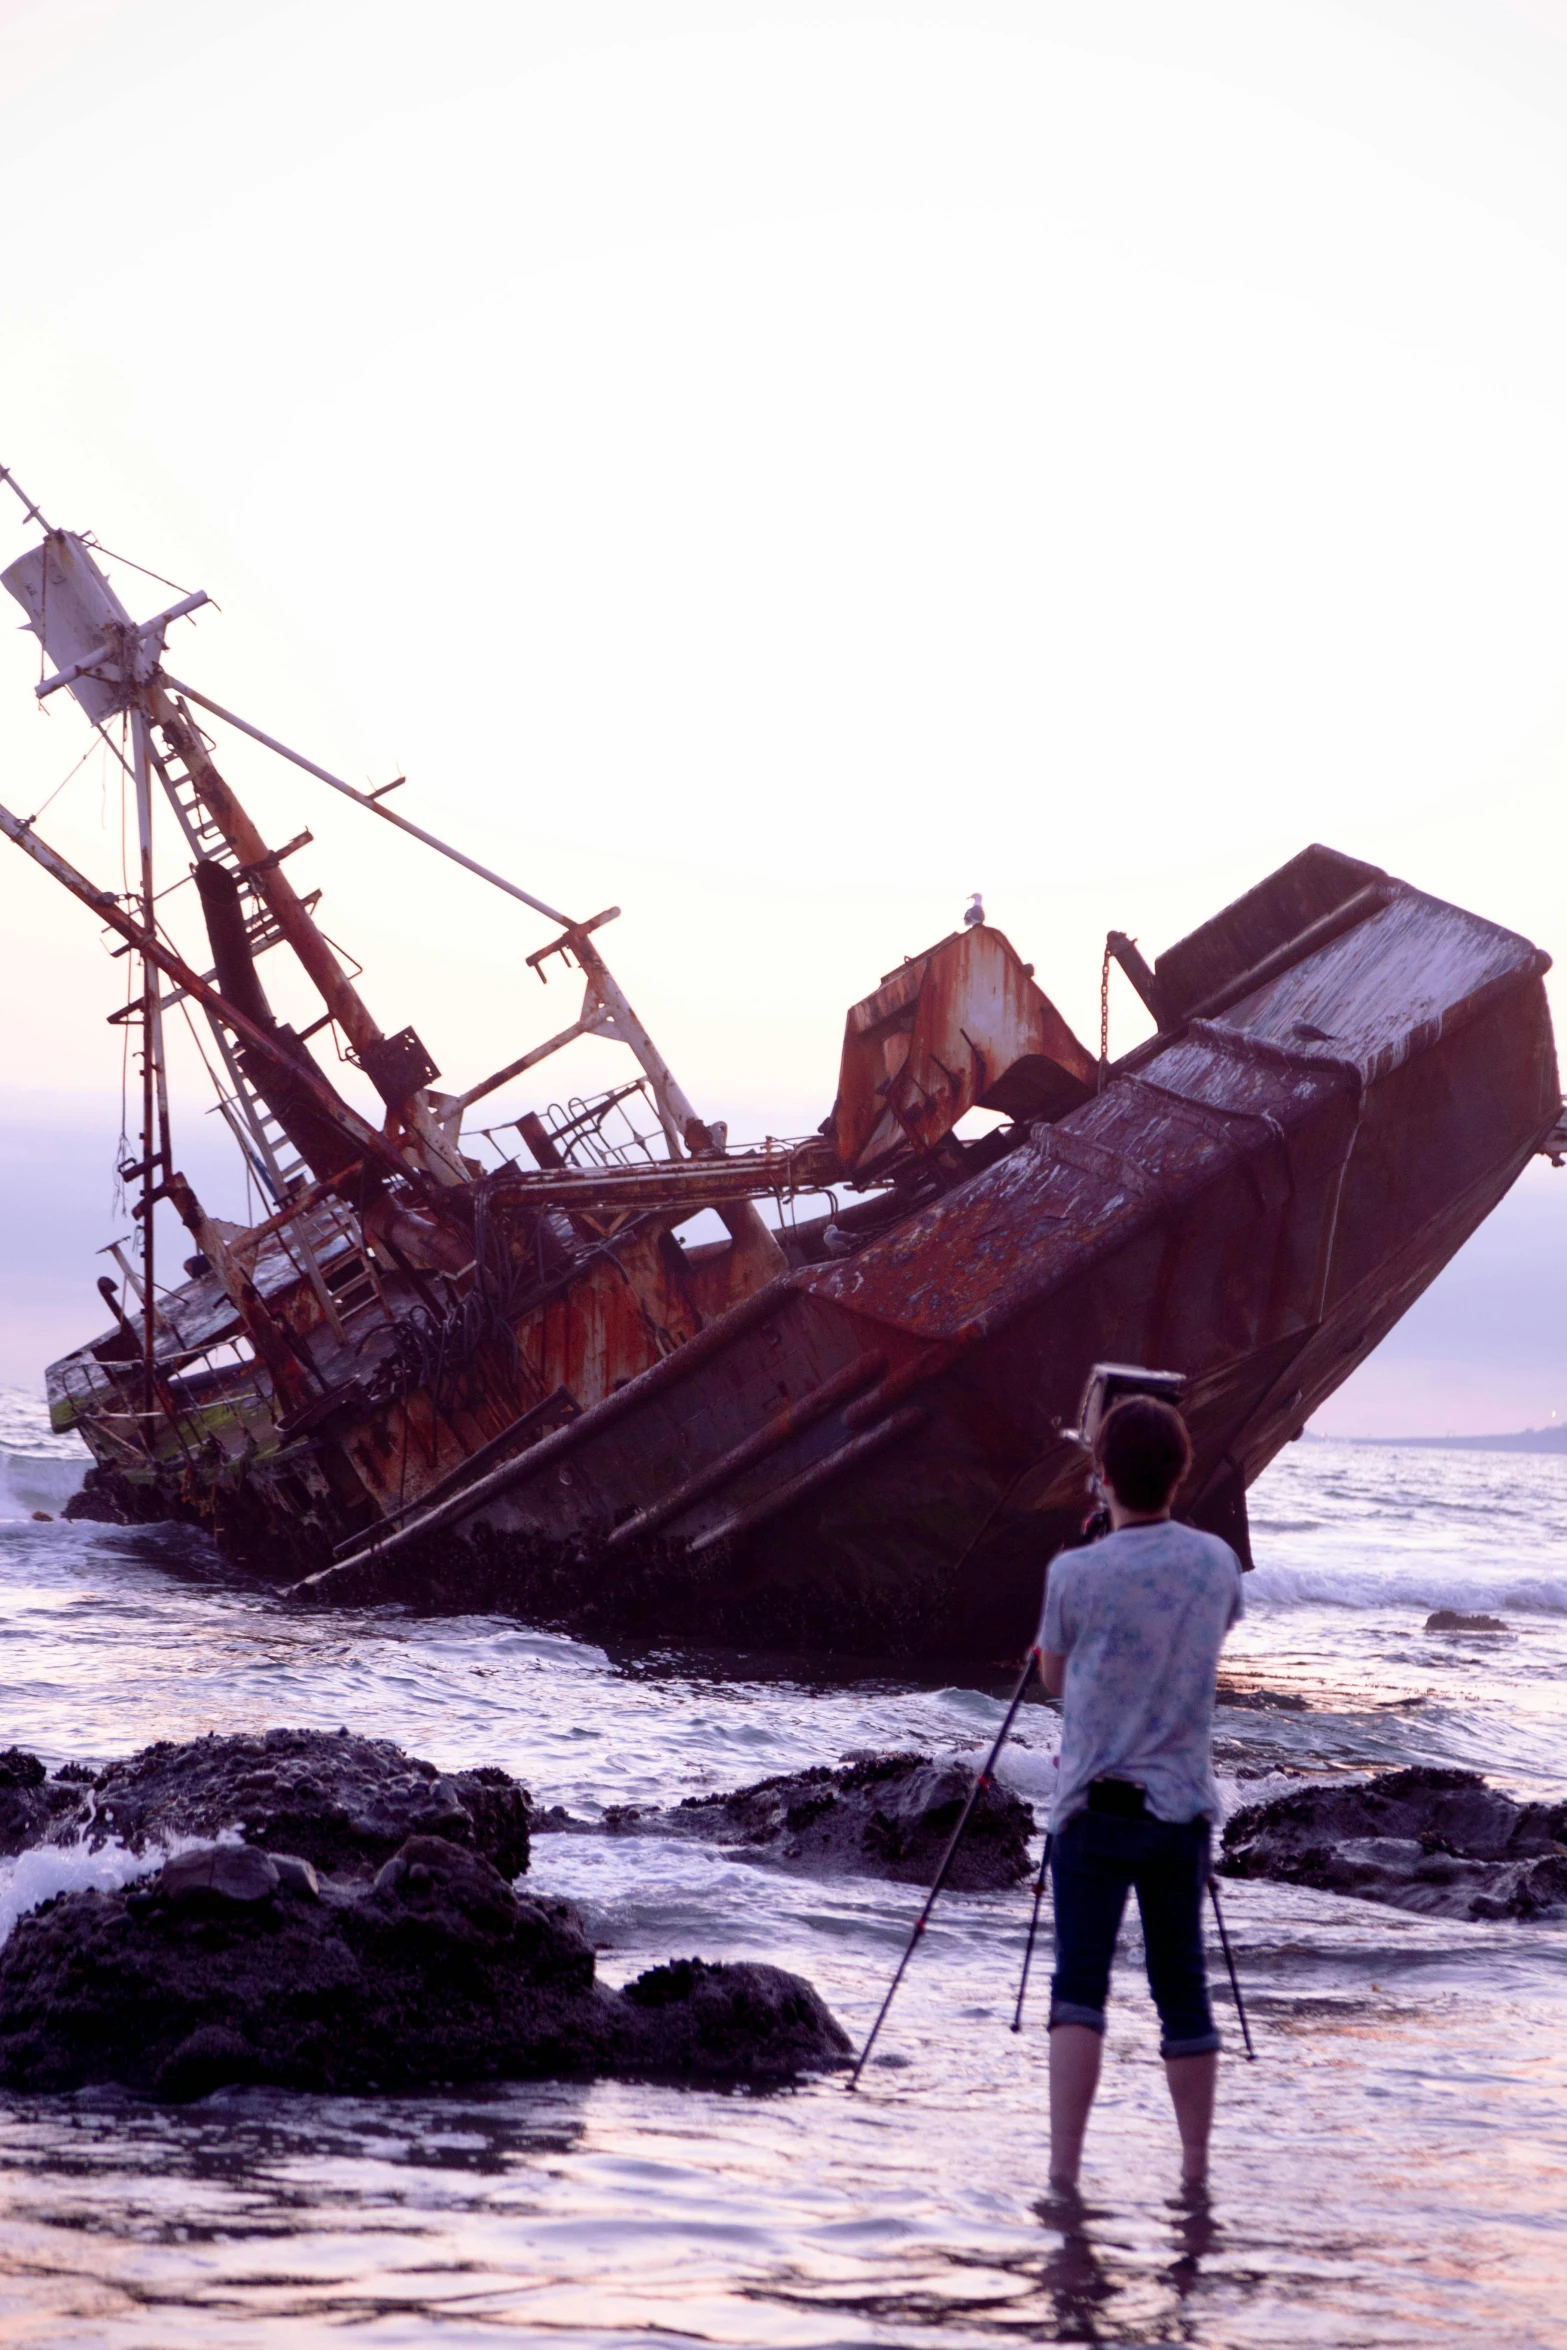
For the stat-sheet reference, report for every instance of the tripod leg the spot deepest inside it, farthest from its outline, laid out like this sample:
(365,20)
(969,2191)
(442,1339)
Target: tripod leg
(1033,1929)
(981,1782)
(1229,1960)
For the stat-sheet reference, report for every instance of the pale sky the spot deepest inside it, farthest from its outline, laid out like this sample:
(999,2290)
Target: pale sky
(781,467)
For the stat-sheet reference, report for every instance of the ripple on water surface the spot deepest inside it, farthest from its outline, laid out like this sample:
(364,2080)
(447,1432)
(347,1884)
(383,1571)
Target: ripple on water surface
(1388,2173)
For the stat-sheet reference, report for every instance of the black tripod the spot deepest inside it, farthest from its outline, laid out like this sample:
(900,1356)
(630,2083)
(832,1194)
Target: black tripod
(981,1782)
(1229,1960)
(1033,1929)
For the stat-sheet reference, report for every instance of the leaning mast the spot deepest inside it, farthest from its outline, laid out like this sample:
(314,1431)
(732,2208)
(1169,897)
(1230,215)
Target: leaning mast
(113,667)
(117,633)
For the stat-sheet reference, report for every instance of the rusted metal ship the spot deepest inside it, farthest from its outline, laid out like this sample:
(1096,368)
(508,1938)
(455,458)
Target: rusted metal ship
(841,1430)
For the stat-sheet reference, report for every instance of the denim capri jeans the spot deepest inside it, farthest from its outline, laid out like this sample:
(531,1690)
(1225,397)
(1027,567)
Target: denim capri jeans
(1094,1862)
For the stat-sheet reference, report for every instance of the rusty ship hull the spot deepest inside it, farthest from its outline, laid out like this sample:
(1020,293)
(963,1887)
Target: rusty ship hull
(870,1455)
(523,1380)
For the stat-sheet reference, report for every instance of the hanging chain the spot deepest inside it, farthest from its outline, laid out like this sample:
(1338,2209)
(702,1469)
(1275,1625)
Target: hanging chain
(1104,1019)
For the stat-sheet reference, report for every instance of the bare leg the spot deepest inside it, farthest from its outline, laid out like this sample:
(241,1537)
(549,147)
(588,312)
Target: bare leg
(1192,2082)
(1074,2076)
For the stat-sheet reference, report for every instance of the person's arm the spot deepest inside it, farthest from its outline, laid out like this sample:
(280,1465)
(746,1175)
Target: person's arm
(1055,1636)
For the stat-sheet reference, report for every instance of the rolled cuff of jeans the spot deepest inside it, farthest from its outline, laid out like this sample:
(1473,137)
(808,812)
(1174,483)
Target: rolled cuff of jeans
(1067,2011)
(1206,2044)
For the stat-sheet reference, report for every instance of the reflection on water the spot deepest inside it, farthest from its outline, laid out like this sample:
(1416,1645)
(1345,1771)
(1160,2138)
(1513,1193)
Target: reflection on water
(1363,2196)
(1390,2172)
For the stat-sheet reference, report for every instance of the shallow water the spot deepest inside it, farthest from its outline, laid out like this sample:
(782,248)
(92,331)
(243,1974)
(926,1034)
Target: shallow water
(1391,2171)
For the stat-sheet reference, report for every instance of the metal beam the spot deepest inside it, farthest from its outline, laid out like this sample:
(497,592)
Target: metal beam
(368,800)
(591,1024)
(106,905)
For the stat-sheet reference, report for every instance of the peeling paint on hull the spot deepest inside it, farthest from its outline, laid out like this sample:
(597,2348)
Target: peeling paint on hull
(513,1385)
(1252,1204)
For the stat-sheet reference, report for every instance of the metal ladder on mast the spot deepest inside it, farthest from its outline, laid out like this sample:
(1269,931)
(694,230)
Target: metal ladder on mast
(272,1157)
(255,1127)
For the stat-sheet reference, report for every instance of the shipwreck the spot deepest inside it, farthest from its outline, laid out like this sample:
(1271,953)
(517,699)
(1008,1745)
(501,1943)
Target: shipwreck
(843,1426)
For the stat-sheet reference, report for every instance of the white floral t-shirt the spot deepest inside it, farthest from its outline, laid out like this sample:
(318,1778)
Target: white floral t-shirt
(1140,1618)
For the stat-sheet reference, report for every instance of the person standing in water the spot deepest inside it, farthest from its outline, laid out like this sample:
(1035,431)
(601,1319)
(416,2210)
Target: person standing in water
(1132,1629)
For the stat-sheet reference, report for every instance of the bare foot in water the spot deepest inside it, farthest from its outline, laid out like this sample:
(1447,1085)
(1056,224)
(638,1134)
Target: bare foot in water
(1061,2199)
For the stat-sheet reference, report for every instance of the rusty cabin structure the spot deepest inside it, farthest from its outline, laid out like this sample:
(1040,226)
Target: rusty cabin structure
(515,1386)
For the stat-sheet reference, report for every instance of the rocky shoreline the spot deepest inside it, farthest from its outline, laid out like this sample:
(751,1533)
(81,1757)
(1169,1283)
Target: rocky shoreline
(1440,1842)
(344,1916)
(876,1815)
(343,1803)
(334,1914)
(237,1965)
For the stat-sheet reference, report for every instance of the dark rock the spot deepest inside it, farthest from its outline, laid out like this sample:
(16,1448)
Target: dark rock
(1262,1701)
(31,1802)
(100,1500)
(732,2023)
(437,1972)
(343,1804)
(218,1873)
(1452,1619)
(1437,1841)
(211,2057)
(879,1815)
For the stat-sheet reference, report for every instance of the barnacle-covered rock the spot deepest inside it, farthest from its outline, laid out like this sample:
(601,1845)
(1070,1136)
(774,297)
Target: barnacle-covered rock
(234,1965)
(1438,1841)
(341,1802)
(876,1815)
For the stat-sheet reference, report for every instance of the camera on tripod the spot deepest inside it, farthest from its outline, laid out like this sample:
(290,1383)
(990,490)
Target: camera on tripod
(1110,1384)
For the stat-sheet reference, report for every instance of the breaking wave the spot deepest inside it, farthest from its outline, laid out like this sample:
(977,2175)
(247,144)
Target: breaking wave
(29,1484)
(36,1876)
(39,1469)
(1370,1589)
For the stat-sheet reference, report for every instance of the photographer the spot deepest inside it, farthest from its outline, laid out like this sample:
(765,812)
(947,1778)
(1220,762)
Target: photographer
(1132,1630)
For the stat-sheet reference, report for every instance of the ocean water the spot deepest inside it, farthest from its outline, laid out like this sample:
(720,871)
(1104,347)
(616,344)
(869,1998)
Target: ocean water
(1392,2170)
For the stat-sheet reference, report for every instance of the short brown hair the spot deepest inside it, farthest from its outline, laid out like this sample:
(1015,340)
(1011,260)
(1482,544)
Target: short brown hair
(1143,1451)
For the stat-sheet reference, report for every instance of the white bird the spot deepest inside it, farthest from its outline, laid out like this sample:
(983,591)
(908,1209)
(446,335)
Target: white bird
(976,912)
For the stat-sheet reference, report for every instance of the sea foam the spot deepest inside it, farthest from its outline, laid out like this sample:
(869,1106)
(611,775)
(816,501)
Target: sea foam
(36,1876)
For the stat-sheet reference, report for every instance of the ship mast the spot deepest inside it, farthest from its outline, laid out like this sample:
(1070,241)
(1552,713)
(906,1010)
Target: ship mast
(113,666)
(606,1009)
(154,1164)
